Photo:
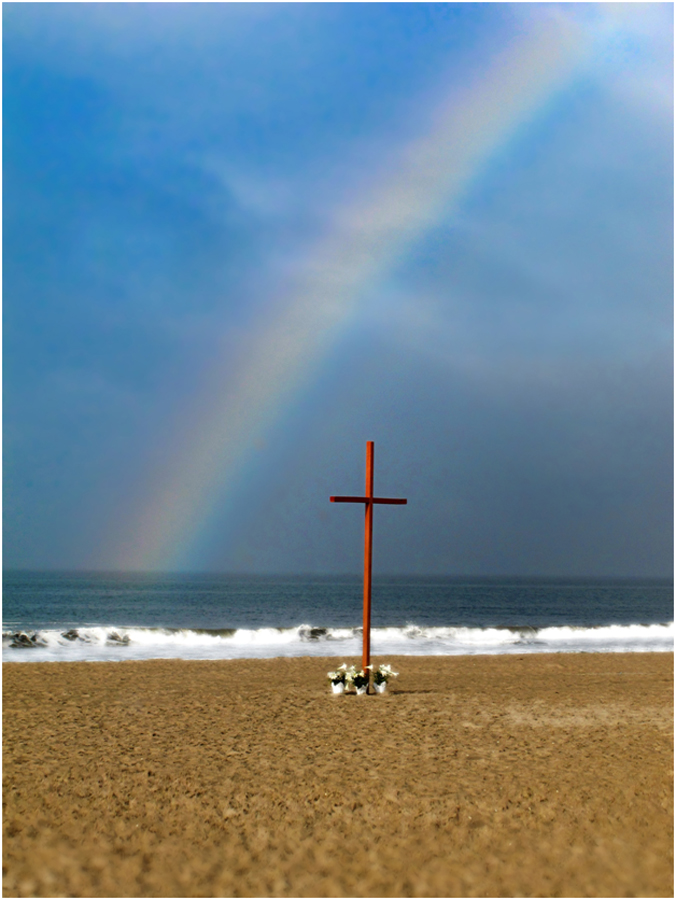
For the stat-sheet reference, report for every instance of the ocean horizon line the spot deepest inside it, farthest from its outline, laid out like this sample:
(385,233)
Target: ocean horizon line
(358,576)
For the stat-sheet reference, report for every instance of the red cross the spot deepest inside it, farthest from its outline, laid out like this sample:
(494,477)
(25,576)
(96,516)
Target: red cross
(368,500)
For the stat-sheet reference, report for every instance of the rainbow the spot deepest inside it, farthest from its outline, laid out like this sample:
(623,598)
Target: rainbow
(429,178)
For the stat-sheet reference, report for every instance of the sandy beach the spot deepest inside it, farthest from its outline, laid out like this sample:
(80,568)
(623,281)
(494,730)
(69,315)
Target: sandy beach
(541,775)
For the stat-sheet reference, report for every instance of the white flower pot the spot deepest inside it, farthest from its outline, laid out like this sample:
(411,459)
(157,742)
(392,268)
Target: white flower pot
(338,688)
(361,690)
(380,688)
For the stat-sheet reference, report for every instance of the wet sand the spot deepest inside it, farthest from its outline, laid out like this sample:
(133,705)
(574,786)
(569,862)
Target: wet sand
(543,775)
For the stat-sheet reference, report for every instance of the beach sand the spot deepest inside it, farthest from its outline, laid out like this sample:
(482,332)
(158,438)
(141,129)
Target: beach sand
(540,775)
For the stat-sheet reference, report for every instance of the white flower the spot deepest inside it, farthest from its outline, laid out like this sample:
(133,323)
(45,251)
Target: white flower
(384,673)
(336,676)
(350,674)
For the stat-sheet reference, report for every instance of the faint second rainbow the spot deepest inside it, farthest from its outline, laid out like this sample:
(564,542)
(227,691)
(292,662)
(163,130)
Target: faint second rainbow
(366,239)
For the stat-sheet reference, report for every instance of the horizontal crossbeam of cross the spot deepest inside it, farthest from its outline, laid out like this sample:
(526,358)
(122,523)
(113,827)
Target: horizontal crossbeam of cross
(365,500)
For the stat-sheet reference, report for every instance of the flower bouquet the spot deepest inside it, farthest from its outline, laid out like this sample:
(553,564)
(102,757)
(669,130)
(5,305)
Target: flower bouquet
(358,678)
(338,679)
(381,676)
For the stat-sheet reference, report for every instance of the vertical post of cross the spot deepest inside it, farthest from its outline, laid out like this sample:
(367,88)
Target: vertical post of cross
(368,557)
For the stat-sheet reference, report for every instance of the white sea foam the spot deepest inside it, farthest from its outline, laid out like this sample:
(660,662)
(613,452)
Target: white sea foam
(119,643)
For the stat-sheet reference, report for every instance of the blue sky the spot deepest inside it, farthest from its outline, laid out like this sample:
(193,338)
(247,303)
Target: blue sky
(173,172)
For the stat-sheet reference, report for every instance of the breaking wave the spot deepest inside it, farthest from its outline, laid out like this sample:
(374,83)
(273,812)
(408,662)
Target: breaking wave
(119,643)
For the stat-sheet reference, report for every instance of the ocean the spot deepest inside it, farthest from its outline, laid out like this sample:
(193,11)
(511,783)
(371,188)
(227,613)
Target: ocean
(49,616)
